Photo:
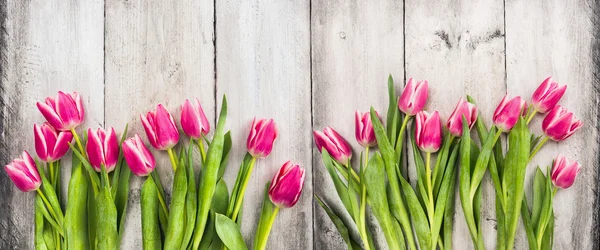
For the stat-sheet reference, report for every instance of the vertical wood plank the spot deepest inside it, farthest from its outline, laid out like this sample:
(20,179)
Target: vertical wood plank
(45,47)
(263,66)
(555,38)
(458,46)
(156,52)
(355,46)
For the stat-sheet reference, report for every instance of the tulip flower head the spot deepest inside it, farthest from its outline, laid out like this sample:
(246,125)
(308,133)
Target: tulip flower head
(261,138)
(193,119)
(413,97)
(63,113)
(334,143)
(463,108)
(547,95)
(560,124)
(508,112)
(363,130)
(160,128)
(51,145)
(138,157)
(102,149)
(564,172)
(286,186)
(24,173)
(428,131)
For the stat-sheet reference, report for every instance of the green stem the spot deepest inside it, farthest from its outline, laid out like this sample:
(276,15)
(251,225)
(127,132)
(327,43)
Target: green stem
(538,147)
(240,196)
(531,116)
(261,244)
(105,172)
(172,158)
(430,208)
(161,199)
(363,207)
(401,135)
(201,148)
(78,142)
(47,204)
(51,173)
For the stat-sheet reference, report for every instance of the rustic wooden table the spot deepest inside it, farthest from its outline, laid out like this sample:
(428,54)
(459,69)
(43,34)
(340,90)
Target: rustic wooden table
(307,64)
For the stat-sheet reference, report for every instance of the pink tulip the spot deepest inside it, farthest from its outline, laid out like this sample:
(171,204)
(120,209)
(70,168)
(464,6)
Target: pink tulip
(334,143)
(286,186)
(463,108)
(560,124)
(138,158)
(193,119)
(508,112)
(64,113)
(24,173)
(428,131)
(51,145)
(564,172)
(261,138)
(414,97)
(160,128)
(102,149)
(363,130)
(547,95)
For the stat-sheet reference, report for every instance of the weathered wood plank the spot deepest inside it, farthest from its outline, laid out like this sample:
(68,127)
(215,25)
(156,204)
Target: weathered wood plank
(156,52)
(356,45)
(45,47)
(555,38)
(263,66)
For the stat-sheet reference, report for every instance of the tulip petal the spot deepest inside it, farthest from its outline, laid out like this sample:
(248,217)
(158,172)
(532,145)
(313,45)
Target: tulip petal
(51,116)
(94,150)
(66,109)
(190,122)
(41,148)
(148,123)
(62,144)
(167,134)
(111,150)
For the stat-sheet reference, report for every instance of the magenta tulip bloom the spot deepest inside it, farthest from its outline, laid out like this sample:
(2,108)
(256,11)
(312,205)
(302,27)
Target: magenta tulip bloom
(463,108)
(138,158)
(51,145)
(560,124)
(286,186)
(547,95)
(428,131)
(64,113)
(508,112)
(564,172)
(363,130)
(24,173)
(193,119)
(102,149)
(261,138)
(414,97)
(160,128)
(334,143)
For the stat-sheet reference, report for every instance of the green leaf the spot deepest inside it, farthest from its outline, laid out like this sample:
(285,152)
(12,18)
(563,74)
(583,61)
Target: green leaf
(449,209)
(191,201)
(527,223)
(177,220)
(339,223)
(420,221)
(122,197)
(465,180)
(340,187)
(229,232)
(224,159)
(150,206)
(446,188)
(76,228)
(106,234)
(92,219)
(392,112)
(40,243)
(220,201)
(95,181)
(117,171)
(440,164)
(539,195)
(548,238)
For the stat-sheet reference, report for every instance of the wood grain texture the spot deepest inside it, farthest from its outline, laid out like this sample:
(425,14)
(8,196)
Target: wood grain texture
(156,52)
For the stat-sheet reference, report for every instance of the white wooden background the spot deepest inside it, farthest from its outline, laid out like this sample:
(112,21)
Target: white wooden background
(307,64)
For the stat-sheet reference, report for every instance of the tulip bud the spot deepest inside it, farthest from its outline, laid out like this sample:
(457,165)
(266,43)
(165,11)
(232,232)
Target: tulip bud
(138,158)
(547,95)
(261,138)
(286,186)
(414,97)
(363,130)
(334,143)
(51,145)
(102,149)
(24,173)
(193,119)
(463,108)
(64,113)
(428,131)
(160,128)
(508,112)
(560,124)
(564,172)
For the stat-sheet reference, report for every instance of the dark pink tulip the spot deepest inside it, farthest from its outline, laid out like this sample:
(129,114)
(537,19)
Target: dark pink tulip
(560,124)
(102,149)
(24,173)
(334,143)
(363,130)
(160,128)
(64,113)
(414,97)
(261,138)
(286,186)
(463,108)
(428,131)
(138,158)
(547,95)
(193,119)
(508,112)
(564,172)
(51,145)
